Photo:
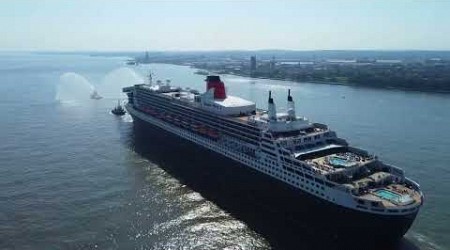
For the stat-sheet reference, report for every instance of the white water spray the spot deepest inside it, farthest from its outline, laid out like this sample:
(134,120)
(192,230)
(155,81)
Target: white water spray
(73,88)
(113,82)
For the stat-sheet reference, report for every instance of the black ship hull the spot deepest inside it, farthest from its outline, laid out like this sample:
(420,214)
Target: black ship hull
(287,217)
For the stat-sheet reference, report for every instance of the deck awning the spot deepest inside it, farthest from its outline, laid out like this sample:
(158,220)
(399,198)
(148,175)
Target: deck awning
(316,149)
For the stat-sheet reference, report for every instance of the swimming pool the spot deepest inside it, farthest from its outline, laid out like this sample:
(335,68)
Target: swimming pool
(393,197)
(388,195)
(339,162)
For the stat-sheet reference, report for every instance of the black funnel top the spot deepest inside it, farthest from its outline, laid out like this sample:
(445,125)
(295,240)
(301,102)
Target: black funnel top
(212,78)
(289,96)
(270,97)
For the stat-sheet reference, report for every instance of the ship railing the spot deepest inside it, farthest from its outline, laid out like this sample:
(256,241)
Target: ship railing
(359,151)
(344,188)
(261,110)
(396,170)
(412,183)
(320,125)
(301,136)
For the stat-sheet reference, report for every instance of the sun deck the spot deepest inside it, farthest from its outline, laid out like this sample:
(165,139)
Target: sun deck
(249,118)
(335,159)
(393,195)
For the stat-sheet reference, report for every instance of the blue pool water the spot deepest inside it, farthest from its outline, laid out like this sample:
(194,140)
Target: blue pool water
(396,198)
(388,195)
(339,162)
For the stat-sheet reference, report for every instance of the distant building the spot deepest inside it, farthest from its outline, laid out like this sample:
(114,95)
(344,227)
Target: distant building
(272,64)
(253,63)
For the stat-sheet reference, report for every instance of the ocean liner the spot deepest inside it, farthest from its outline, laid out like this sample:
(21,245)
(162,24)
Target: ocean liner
(346,185)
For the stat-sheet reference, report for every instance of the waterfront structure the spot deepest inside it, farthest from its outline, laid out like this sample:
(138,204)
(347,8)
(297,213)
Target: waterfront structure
(252,64)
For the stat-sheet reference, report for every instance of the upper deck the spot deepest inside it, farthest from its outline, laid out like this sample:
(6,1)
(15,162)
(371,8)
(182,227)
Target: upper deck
(339,159)
(364,176)
(239,110)
(216,101)
(392,196)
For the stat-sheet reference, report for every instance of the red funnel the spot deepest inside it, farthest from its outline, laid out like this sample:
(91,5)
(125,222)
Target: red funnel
(218,85)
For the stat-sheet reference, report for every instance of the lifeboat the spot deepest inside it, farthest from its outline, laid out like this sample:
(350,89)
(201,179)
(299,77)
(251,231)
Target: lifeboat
(184,124)
(213,133)
(195,127)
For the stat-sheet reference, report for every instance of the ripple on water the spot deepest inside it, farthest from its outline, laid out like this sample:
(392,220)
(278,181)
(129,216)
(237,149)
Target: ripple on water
(425,242)
(206,227)
(168,215)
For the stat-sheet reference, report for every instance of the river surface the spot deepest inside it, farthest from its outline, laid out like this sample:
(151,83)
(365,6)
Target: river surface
(71,177)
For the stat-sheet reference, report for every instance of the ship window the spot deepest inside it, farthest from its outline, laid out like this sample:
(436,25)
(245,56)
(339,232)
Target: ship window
(319,180)
(329,184)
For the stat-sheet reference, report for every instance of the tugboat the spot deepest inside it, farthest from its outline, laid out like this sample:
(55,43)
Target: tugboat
(118,110)
(95,95)
(132,62)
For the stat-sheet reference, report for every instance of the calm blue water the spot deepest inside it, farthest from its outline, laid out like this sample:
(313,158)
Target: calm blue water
(69,177)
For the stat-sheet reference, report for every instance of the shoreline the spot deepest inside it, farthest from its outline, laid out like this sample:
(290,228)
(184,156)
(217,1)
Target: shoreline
(326,82)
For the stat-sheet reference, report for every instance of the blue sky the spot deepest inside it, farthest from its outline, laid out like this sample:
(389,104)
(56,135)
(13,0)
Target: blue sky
(217,25)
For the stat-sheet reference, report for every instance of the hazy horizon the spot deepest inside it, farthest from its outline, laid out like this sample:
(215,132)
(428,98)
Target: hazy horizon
(133,26)
(213,50)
